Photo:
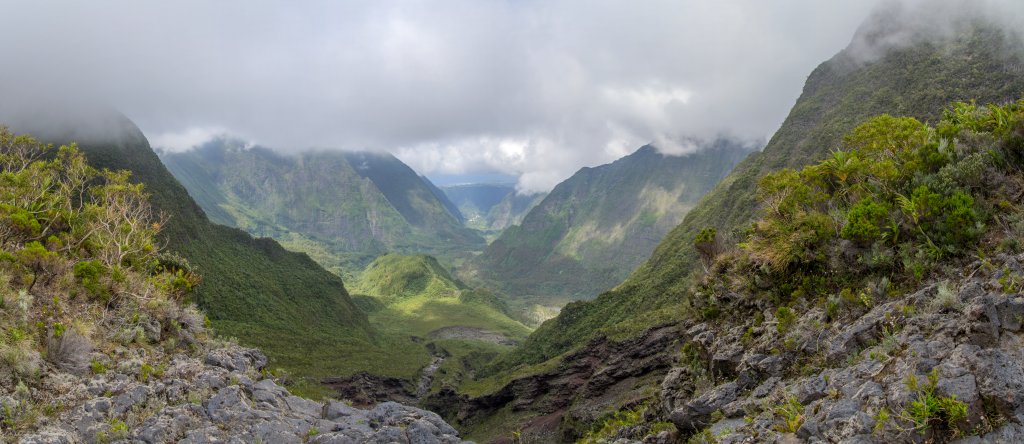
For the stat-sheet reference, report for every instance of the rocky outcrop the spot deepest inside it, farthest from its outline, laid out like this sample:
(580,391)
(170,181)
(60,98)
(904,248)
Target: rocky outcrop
(867,378)
(584,386)
(220,397)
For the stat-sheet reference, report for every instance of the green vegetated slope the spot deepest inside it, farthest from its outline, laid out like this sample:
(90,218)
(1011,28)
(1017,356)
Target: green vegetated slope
(907,229)
(416,295)
(595,227)
(343,209)
(491,208)
(511,210)
(413,298)
(81,277)
(252,288)
(917,77)
(476,200)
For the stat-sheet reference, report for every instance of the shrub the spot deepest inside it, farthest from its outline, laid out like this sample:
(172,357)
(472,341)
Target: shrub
(707,245)
(865,220)
(786,318)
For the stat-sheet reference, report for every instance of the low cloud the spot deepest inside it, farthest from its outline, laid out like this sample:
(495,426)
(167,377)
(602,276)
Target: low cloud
(536,89)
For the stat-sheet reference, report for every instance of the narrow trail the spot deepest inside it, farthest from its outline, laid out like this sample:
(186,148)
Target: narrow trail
(427,377)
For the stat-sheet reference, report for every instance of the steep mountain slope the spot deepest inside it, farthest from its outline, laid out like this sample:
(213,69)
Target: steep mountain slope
(917,78)
(476,200)
(252,288)
(491,207)
(598,225)
(98,346)
(598,355)
(511,210)
(343,209)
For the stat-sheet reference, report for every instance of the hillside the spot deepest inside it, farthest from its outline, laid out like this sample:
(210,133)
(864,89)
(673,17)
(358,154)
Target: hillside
(976,63)
(876,298)
(633,328)
(343,209)
(489,207)
(416,295)
(591,230)
(252,288)
(98,345)
(511,210)
(448,329)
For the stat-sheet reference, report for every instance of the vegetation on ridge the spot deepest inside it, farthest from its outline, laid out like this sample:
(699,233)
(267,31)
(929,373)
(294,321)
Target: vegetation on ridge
(916,80)
(899,200)
(80,272)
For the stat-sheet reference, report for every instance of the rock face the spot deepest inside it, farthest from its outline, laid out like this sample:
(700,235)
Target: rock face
(219,398)
(858,381)
(579,390)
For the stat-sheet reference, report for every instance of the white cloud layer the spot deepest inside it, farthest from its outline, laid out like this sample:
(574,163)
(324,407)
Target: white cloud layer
(533,88)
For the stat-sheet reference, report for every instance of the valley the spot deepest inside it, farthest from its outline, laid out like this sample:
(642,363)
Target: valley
(856,277)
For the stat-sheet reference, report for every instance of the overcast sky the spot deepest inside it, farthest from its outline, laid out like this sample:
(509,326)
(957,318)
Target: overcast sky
(536,89)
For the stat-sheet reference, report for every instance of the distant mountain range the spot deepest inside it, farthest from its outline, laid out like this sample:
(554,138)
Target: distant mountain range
(594,228)
(491,207)
(343,208)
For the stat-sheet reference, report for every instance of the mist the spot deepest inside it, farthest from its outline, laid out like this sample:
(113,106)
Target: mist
(532,89)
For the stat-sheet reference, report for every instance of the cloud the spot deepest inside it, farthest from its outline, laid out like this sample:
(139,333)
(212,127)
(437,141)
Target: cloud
(533,88)
(189,138)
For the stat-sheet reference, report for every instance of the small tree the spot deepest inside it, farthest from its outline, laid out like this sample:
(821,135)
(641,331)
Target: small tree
(708,246)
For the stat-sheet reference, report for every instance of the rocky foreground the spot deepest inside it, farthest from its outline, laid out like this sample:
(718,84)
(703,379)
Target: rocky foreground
(221,399)
(887,376)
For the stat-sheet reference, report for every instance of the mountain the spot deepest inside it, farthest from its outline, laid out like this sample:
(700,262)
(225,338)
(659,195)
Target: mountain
(511,210)
(638,333)
(252,289)
(591,230)
(109,313)
(491,207)
(343,209)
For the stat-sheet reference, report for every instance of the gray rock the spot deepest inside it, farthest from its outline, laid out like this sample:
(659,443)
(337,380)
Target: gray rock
(227,404)
(864,330)
(810,390)
(335,409)
(695,414)
(388,434)
(338,438)
(135,396)
(421,431)
(268,392)
(48,437)
(304,407)
(766,387)
(1009,433)
(237,359)
(963,388)
(98,405)
(1011,313)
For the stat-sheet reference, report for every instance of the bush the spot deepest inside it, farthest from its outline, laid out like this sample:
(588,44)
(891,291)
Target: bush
(865,220)
(786,317)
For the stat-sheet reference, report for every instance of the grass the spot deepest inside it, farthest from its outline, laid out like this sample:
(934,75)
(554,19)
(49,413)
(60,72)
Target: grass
(421,315)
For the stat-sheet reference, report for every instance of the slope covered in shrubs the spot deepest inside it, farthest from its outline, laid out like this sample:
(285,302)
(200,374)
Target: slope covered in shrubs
(916,78)
(81,275)
(97,345)
(875,298)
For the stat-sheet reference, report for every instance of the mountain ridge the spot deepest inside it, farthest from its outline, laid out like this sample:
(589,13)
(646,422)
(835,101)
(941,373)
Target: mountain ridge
(592,229)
